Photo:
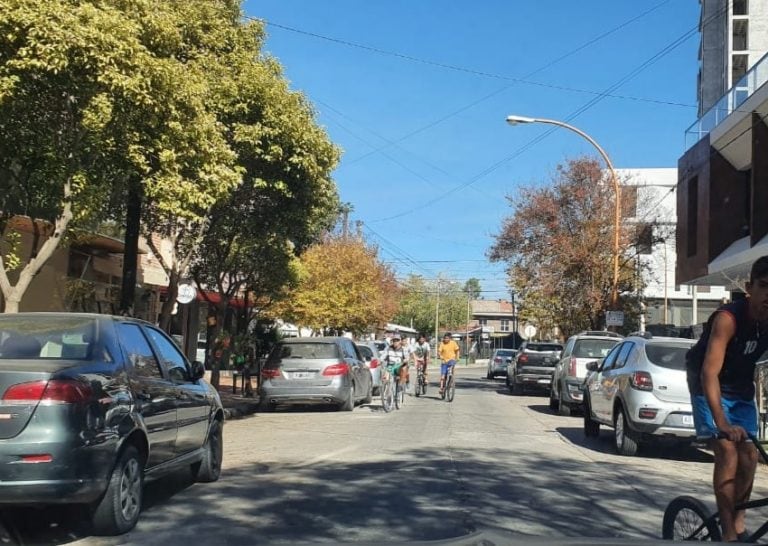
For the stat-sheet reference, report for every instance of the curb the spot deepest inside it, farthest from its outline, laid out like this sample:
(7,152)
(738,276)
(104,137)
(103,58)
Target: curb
(239,410)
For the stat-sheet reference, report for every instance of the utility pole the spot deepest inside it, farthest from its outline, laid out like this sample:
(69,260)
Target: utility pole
(514,321)
(437,312)
(469,304)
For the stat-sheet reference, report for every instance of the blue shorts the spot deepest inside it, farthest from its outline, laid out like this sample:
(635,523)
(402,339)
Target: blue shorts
(741,413)
(445,365)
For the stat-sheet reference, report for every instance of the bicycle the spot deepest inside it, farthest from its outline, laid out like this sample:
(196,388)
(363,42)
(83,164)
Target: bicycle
(387,388)
(687,518)
(421,382)
(399,392)
(449,389)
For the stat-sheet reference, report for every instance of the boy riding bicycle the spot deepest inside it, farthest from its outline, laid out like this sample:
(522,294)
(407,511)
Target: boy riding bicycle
(421,356)
(721,369)
(448,351)
(396,356)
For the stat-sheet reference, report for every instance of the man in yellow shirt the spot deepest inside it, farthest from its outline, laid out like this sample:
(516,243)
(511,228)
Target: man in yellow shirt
(448,351)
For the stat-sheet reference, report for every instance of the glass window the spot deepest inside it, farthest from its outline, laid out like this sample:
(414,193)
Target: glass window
(621,359)
(302,350)
(173,359)
(138,351)
(505,325)
(365,351)
(483,322)
(667,355)
(46,337)
(611,358)
(543,347)
(594,348)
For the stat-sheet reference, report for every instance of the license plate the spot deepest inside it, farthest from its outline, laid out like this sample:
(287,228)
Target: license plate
(688,420)
(301,375)
(544,381)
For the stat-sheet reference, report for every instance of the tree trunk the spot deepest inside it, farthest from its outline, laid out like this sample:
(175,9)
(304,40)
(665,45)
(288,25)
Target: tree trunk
(130,258)
(167,308)
(212,333)
(12,304)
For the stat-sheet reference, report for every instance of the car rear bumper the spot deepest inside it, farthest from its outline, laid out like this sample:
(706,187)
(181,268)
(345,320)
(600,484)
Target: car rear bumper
(652,416)
(572,392)
(538,380)
(498,370)
(51,491)
(332,394)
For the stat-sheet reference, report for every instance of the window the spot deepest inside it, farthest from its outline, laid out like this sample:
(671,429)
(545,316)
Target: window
(629,201)
(173,359)
(59,338)
(594,348)
(505,325)
(644,233)
(667,355)
(740,7)
(138,351)
(611,358)
(692,232)
(302,350)
(740,35)
(366,352)
(739,65)
(623,355)
(483,322)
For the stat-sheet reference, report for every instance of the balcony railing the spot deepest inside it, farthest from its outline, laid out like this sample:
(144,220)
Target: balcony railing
(748,84)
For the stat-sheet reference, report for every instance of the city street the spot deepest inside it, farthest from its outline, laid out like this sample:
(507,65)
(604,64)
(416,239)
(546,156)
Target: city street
(430,471)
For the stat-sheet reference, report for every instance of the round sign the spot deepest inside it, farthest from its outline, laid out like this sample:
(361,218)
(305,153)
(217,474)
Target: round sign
(187,293)
(529,330)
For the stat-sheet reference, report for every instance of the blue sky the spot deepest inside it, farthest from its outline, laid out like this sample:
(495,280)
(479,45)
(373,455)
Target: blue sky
(412,132)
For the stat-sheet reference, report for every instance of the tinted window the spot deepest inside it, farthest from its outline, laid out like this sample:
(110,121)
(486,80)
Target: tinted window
(667,355)
(138,351)
(593,348)
(303,350)
(611,358)
(173,359)
(59,338)
(366,352)
(505,353)
(543,347)
(623,355)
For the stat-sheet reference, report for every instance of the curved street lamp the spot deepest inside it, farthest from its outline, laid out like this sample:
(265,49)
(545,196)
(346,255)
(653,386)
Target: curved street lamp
(517,120)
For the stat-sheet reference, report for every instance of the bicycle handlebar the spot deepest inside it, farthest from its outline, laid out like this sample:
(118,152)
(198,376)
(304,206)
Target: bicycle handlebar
(752,438)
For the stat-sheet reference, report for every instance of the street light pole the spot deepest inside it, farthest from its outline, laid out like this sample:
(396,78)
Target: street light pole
(515,120)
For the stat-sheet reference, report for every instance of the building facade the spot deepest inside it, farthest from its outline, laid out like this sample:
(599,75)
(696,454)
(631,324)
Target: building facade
(651,207)
(723,176)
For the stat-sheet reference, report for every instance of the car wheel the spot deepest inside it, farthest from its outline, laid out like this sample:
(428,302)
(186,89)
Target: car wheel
(349,404)
(626,439)
(563,408)
(118,510)
(552,399)
(591,428)
(266,406)
(517,388)
(209,468)
(369,397)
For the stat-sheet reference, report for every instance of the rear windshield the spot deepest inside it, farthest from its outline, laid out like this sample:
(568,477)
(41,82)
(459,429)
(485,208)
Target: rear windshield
(49,338)
(543,347)
(505,353)
(667,355)
(303,350)
(365,352)
(593,348)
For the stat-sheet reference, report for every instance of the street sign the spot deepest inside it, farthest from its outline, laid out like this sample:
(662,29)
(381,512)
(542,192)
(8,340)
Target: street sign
(529,330)
(614,318)
(187,293)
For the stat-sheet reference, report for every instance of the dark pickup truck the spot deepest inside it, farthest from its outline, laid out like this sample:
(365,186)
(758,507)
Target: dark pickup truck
(533,366)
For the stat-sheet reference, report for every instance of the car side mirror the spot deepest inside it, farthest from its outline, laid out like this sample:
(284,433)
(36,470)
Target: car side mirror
(197,370)
(593,366)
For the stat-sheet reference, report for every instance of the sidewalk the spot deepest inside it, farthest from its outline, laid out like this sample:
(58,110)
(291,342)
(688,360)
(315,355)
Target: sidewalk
(236,406)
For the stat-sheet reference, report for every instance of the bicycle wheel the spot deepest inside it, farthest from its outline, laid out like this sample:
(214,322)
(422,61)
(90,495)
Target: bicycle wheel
(419,382)
(687,518)
(387,396)
(398,392)
(450,389)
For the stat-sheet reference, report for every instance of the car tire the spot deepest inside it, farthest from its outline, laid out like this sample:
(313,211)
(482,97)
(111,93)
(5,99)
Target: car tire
(349,404)
(552,400)
(488,375)
(119,508)
(591,428)
(369,397)
(517,389)
(209,468)
(625,439)
(266,406)
(563,408)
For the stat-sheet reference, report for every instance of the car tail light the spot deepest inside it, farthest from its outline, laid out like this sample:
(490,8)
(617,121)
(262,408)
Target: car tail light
(642,381)
(374,363)
(270,373)
(497,360)
(648,413)
(342,368)
(572,367)
(522,358)
(54,392)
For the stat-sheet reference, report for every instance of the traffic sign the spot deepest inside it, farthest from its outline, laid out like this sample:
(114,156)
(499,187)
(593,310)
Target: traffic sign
(614,318)
(187,293)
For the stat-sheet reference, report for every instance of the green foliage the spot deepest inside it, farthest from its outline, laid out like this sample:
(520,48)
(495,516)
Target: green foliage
(423,299)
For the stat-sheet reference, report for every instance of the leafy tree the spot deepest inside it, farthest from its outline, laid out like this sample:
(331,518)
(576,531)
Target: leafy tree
(472,288)
(342,286)
(96,97)
(558,244)
(423,300)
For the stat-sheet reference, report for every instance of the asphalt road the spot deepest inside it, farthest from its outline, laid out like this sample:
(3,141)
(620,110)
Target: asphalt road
(429,471)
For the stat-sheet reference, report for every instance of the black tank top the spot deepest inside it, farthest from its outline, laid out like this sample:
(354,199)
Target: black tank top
(737,377)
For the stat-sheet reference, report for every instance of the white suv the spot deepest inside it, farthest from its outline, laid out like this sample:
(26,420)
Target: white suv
(565,393)
(640,390)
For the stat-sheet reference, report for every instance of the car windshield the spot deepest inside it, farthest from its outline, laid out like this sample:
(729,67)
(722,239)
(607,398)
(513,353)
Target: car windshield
(543,347)
(46,337)
(593,348)
(302,350)
(505,353)
(365,351)
(667,355)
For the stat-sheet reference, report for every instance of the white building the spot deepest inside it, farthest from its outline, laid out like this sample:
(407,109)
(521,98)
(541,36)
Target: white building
(653,194)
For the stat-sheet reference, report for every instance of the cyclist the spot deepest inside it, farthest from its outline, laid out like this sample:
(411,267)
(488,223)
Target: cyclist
(448,351)
(396,356)
(421,352)
(720,370)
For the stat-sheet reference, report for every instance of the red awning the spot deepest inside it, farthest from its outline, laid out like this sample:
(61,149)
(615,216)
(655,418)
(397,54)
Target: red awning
(212,297)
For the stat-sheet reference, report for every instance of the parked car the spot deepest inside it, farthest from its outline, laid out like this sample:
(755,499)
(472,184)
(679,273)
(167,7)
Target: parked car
(315,370)
(533,365)
(93,405)
(500,359)
(369,350)
(640,390)
(565,393)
